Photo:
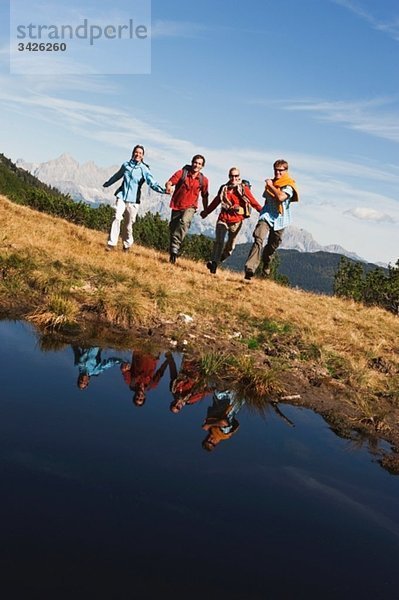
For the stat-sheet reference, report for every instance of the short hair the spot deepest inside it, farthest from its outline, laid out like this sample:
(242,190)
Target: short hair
(136,148)
(280,163)
(234,169)
(198,156)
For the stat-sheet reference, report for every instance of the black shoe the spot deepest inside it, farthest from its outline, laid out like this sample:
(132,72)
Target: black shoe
(212,266)
(248,275)
(172,258)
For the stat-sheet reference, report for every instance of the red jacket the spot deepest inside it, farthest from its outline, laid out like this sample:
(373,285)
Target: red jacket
(186,194)
(142,371)
(229,215)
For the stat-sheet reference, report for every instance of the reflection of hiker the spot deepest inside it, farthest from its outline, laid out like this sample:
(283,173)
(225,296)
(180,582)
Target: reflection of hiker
(236,200)
(90,364)
(189,182)
(221,422)
(135,173)
(274,217)
(188,387)
(142,375)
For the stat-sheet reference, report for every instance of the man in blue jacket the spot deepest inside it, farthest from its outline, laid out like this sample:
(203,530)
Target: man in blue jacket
(134,172)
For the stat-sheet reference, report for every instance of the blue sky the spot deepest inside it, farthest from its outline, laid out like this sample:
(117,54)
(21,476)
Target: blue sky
(311,81)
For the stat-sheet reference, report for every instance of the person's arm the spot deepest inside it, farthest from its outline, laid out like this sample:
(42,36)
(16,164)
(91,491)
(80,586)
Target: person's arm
(252,200)
(115,177)
(207,211)
(173,180)
(150,181)
(205,193)
(126,372)
(276,191)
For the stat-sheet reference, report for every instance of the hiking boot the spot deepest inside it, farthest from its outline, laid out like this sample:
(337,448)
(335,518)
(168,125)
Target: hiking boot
(248,275)
(266,272)
(172,258)
(212,266)
(109,248)
(126,249)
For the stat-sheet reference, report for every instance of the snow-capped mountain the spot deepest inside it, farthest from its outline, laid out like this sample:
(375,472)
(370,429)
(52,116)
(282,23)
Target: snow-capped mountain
(83,182)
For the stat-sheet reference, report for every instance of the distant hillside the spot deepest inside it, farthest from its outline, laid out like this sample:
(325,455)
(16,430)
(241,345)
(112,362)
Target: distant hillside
(311,271)
(17,184)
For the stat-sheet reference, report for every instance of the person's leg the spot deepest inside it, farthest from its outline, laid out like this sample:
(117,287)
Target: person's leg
(233,231)
(179,225)
(116,223)
(273,242)
(129,219)
(220,232)
(254,256)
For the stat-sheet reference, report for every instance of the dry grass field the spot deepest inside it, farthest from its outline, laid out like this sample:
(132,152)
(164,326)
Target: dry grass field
(58,275)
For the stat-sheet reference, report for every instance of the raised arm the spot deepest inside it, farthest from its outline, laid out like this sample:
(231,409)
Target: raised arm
(115,177)
(276,191)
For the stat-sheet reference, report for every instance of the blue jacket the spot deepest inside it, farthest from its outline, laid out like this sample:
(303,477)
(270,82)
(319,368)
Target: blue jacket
(89,362)
(134,175)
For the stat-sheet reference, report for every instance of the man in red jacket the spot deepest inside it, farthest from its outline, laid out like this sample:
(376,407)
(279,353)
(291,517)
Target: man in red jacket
(235,198)
(189,183)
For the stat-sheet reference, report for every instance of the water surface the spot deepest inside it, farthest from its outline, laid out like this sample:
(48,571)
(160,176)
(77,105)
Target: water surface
(102,498)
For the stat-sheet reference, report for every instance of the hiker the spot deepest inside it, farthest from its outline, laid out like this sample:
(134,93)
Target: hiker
(142,374)
(221,422)
(90,363)
(274,217)
(236,199)
(188,182)
(188,386)
(135,172)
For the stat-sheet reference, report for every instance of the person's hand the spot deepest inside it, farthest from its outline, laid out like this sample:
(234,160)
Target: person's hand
(269,182)
(125,366)
(168,188)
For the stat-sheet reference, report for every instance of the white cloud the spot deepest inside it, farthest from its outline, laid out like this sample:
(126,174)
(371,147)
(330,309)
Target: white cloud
(360,116)
(369,214)
(390,26)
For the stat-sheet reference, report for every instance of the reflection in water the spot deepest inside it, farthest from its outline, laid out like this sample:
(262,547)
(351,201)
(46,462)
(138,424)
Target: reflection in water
(143,374)
(221,422)
(188,385)
(90,364)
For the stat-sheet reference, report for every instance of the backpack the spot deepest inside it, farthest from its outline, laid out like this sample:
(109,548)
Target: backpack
(241,192)
(182,179)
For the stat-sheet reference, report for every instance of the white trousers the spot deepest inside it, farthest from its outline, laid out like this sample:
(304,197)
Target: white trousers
(125,216)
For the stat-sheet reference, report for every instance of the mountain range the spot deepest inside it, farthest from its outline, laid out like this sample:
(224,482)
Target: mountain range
(83,182)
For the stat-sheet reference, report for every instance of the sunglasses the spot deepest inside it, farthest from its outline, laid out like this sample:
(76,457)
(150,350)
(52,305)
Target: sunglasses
(280,170)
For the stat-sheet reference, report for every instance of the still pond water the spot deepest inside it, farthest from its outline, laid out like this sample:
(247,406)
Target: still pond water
(104,499)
